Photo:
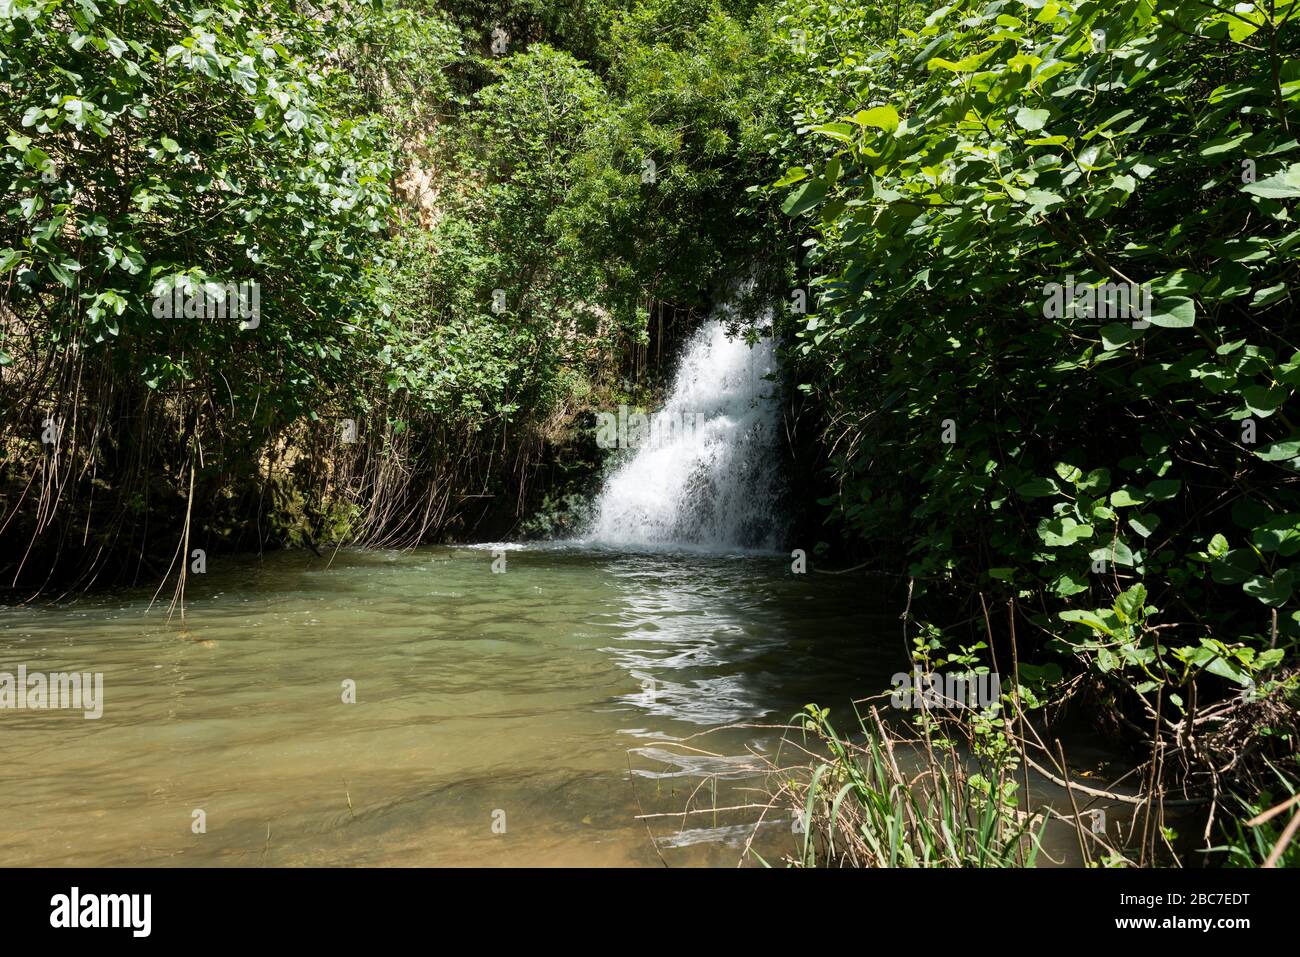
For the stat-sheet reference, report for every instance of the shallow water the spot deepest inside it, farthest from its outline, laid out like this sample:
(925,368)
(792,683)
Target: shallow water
(552,702)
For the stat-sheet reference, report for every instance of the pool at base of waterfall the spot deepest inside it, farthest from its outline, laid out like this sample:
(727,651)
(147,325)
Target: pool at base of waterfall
(527,716)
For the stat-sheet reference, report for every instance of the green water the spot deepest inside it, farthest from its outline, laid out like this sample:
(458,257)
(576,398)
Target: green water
(520,718)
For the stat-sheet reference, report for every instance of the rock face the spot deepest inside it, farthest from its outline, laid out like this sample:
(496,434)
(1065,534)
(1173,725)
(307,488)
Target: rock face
(416,188)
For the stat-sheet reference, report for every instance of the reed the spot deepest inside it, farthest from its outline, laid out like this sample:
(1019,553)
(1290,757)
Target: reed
(886,801)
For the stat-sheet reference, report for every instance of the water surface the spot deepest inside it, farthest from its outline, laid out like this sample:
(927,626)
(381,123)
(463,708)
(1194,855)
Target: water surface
(557,701)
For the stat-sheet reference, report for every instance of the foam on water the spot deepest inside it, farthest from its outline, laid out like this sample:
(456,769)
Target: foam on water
(718,485)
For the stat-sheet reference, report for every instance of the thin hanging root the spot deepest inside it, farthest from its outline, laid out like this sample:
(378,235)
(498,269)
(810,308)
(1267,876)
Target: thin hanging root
(179,597)
(182,552)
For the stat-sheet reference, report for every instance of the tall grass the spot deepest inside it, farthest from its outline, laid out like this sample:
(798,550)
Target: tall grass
(1268,838)
(883,802)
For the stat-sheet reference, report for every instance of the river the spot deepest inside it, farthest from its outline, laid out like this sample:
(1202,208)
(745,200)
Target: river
(524,716)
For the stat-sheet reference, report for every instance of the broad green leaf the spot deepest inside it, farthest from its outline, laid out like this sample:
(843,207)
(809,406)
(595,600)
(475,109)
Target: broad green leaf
(1174,312)
(1284,185)
(807,196)
(881,117)
(1032,120)
(1129,604)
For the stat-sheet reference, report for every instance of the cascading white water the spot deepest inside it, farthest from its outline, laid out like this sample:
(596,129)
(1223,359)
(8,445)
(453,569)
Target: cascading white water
(716,485)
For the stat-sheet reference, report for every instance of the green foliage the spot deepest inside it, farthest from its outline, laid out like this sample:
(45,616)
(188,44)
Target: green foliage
(1139,478)
(155,145)
(695,107)
(488,305)
(575,26)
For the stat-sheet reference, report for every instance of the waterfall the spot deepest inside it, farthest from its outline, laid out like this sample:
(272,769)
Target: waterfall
(708,472)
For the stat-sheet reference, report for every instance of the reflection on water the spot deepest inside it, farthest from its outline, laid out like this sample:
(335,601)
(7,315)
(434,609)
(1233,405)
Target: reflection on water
(569,693)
